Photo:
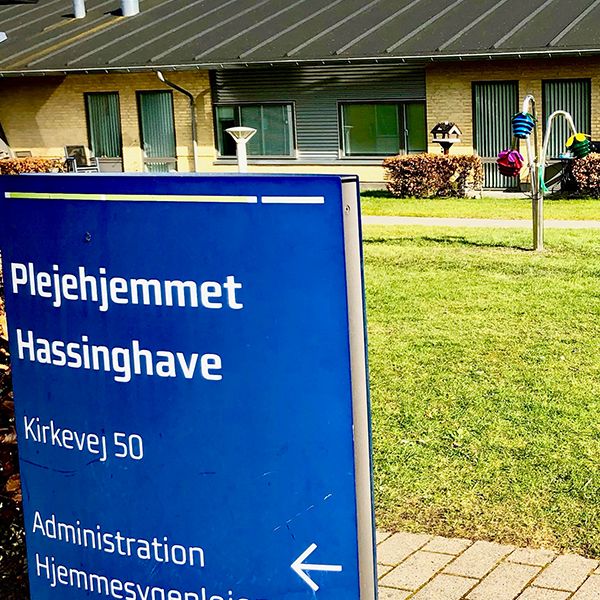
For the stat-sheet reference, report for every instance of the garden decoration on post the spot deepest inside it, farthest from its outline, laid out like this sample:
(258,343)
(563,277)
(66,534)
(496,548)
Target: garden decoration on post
(579,144)
(510,162)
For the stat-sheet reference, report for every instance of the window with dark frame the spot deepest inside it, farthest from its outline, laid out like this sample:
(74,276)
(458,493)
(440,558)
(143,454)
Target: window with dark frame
(157,130)
(383,128)
(572,95)
(104,124)
(274,126)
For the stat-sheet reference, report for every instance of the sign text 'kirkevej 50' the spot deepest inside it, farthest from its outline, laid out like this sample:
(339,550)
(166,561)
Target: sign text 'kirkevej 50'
(187,385)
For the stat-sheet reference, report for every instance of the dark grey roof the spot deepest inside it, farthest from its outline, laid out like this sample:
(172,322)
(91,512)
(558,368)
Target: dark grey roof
(44,37)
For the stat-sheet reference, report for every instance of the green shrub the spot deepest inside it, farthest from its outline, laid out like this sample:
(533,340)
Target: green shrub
(587,175)
(433,175)
(15,166)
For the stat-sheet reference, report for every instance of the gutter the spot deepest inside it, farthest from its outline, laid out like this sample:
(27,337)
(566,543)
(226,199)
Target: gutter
(192,100)
(406,59)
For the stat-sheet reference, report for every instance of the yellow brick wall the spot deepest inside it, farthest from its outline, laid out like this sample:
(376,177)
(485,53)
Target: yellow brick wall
(366,173)
(44,114)
(449,85)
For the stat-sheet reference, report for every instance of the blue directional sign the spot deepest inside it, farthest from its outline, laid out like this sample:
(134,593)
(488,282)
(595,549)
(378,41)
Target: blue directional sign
(190,384)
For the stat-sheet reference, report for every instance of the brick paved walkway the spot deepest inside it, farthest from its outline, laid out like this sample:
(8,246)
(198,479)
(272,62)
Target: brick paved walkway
(424,567)
(467,222)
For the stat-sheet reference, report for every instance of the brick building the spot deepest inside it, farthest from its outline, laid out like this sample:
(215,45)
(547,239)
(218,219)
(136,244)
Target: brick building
(330,88)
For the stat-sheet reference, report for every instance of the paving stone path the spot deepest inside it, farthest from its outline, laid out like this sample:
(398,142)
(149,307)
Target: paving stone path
(424,567)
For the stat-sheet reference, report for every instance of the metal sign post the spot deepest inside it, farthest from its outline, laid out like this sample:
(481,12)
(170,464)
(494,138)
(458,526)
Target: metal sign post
(190,383)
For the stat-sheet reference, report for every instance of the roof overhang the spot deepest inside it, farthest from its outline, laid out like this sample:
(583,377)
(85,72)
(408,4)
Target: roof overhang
(233,64)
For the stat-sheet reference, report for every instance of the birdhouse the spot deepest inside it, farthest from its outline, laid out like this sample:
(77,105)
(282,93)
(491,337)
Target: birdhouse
(445,134)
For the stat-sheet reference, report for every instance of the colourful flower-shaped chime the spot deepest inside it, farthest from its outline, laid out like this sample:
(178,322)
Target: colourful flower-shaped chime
(522,125)
(579,144)
(510,162)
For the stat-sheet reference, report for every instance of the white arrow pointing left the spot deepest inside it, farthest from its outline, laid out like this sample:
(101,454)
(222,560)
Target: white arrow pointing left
(299,567)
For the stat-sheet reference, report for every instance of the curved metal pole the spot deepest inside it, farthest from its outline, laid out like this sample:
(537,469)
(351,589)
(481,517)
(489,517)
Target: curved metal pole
(556,113)
(192,100)
(538,198)
(528,102)
(537,194)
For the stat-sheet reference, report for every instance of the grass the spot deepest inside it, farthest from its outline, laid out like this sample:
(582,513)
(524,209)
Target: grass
(480,208)
(485,379)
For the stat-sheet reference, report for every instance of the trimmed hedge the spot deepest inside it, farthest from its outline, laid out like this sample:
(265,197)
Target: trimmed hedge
(433,175)
(16,166)
(587,175)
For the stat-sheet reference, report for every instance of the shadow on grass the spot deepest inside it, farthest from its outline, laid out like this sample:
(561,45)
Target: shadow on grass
(450,240)
(385,195)
(378,194)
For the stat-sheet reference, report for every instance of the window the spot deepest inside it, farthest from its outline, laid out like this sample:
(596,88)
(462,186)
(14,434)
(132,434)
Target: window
(157,128)
(574,96)
(104,124)
(494,103)
(383,128)
(273,123)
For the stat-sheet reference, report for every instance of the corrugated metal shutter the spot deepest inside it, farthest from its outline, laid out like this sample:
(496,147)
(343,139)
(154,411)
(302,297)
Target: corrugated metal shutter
(494,103)
(104,124)
(316,92)
(157,130)
(574,96)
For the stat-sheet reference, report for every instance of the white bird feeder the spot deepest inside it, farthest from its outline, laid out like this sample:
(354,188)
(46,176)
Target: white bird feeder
(242,136)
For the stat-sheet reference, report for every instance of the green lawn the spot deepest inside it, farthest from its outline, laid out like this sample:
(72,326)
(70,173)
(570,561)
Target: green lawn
(481,208)
(485,379)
